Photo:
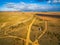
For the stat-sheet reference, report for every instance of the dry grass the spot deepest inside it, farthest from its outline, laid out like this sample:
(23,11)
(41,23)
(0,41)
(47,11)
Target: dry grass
(14,27)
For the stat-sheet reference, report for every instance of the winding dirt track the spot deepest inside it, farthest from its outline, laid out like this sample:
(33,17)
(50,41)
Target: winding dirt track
(29,30)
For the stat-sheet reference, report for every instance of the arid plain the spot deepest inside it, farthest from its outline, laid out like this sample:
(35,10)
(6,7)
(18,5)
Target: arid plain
(29,28)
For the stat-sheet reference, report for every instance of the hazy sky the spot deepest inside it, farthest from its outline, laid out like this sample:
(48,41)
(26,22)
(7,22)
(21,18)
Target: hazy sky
(30,5)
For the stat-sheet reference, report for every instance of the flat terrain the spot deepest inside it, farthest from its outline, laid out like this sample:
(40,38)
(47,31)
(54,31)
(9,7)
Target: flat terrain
(29,28)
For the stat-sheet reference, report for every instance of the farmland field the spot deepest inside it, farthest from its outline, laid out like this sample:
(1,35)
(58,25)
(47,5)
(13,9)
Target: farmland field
(29,28)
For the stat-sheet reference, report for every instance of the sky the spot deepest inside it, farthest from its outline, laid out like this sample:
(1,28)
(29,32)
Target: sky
(30,5)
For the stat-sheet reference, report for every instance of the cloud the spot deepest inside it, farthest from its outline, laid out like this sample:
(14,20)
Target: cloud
(54,1)
(22,6)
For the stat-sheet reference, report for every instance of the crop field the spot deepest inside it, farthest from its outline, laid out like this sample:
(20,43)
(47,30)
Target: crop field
(29,28)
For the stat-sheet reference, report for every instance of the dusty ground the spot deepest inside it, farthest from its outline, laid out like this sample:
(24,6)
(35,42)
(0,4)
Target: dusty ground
(29,28)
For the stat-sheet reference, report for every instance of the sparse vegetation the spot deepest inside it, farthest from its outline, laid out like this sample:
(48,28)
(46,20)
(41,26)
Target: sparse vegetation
(22,28)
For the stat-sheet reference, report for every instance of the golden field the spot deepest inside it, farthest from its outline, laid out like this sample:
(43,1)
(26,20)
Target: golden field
(29,28)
